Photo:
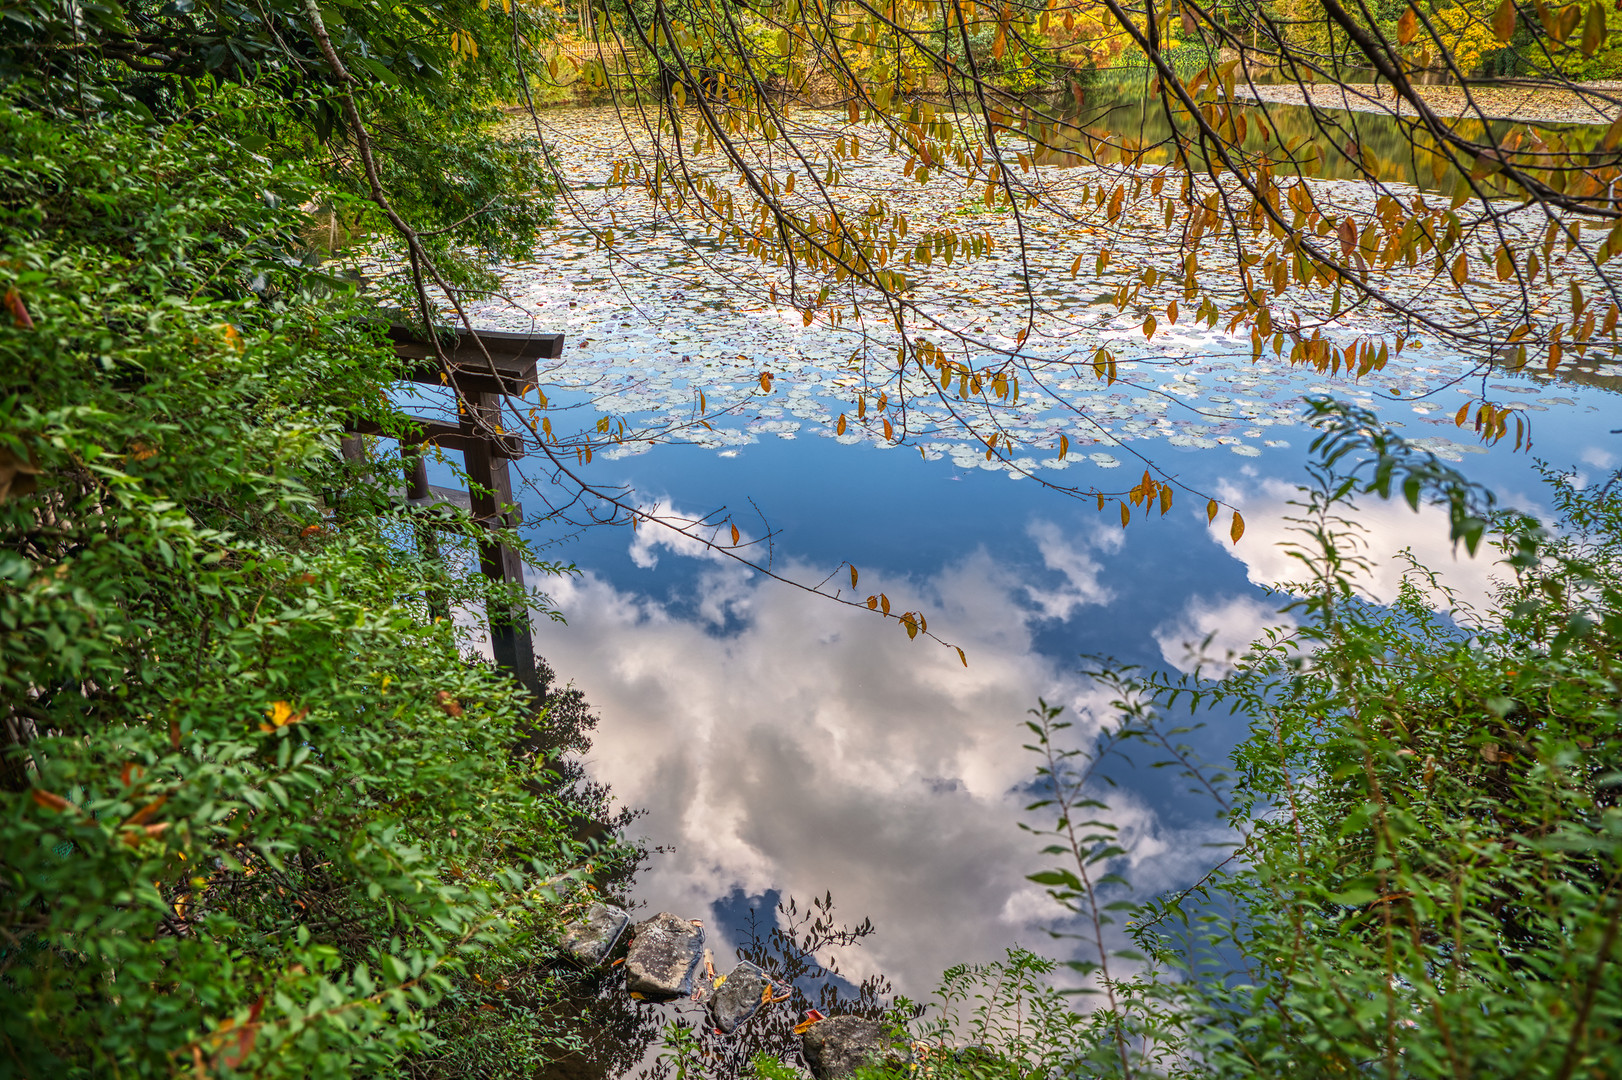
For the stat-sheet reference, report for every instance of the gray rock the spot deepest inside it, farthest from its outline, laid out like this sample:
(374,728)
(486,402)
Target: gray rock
(739,998)
(839,1045)
(590,940)
(663,955)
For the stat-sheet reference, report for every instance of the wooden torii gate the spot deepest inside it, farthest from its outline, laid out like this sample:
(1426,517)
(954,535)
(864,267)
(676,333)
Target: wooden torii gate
(481,381)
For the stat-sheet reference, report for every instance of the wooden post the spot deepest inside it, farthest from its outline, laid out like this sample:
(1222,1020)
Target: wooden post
(499,363)
(418,491)
(492,494)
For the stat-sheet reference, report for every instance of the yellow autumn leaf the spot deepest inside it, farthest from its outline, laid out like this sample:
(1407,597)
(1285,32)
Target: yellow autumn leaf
(1238,528)
(1503,23)
(1211,511)
(1594,29)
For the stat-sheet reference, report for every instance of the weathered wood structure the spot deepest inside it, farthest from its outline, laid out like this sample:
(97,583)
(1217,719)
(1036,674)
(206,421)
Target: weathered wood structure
(481,377)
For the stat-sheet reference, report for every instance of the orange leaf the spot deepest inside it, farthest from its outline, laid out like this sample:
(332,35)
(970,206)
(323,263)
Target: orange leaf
(19,310)
(839,428)
(246,1035)
(734,536)
(961,656)
(144,814)
(1348,237)
(1503,23)
(1406,27)
(281,714)
(1238,528)
(853,577)
(50,801)
(1211,511)
(766,381)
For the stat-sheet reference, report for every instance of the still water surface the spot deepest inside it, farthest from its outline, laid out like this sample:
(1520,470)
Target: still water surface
(784,745)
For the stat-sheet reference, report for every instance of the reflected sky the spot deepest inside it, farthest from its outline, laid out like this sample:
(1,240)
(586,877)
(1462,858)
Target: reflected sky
(785,745)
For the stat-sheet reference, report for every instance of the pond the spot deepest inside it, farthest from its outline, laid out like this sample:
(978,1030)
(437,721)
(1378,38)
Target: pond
(782,745)
(1350,131)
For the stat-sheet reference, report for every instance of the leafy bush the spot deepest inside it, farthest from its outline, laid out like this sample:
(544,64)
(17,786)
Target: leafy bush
(1428,843)
(258,812)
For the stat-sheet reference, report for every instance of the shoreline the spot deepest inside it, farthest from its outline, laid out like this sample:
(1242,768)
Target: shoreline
(1512,103)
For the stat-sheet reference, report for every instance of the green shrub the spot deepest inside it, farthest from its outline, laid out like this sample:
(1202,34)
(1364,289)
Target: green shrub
(258,810)
(1425,876)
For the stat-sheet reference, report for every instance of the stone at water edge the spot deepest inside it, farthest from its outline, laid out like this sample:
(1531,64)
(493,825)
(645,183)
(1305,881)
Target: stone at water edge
(590,940)
(839,1045)
(664,953)
(739,997)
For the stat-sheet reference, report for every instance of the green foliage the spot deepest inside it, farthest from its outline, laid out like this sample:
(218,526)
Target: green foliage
(1430,838)
(428,81)
(1424,878)
(257,810)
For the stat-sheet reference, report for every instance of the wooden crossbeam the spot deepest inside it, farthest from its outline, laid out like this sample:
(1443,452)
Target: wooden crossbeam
(509,368)
(460,436)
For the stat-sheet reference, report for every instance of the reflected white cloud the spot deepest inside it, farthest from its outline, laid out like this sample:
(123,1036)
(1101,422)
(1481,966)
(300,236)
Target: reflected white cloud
(650,538)
(1387,529)
(1209,634)
(814,748)
(1081,571)
(1598,457)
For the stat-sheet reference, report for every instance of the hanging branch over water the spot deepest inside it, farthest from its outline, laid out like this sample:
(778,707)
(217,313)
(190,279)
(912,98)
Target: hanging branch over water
(1342,279)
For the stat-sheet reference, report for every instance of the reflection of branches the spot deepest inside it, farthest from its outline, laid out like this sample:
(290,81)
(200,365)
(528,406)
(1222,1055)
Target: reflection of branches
(799,952)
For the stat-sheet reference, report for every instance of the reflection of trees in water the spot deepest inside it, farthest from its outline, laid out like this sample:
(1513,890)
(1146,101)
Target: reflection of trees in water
(788,951)
(1332,144)
(606,1033)
(611,1035)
